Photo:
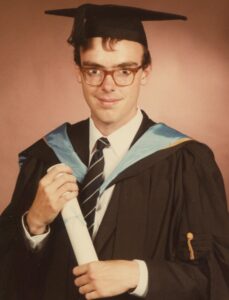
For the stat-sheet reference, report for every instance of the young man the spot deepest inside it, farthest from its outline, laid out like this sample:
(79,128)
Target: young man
(160,224)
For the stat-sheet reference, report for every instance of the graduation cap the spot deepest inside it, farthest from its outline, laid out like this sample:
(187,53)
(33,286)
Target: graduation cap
(114,21)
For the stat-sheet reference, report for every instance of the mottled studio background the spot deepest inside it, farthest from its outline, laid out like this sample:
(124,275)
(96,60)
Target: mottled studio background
(188,88)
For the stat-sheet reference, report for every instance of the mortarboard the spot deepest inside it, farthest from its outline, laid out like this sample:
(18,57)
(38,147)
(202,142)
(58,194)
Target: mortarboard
(114,21)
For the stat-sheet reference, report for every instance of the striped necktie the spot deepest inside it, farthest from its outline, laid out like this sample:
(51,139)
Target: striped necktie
(94,178)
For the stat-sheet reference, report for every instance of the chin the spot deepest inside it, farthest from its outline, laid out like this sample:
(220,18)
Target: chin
(106,117)
(107,121)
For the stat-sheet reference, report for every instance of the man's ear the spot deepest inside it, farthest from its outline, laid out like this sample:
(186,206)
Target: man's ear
(145,74)
(78,74)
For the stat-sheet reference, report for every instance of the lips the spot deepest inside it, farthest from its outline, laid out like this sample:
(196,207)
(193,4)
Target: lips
(108,101)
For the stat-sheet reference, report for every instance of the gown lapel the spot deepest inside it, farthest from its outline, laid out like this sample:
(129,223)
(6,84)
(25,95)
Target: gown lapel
(79,137)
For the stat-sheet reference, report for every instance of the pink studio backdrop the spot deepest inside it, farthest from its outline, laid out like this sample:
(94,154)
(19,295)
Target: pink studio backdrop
(188,88)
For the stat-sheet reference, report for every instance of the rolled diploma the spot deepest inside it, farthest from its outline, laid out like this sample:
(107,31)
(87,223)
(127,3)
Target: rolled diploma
(78,233)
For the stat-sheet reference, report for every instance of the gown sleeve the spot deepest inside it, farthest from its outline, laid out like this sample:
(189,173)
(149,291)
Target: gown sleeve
(20,267)
(199,269)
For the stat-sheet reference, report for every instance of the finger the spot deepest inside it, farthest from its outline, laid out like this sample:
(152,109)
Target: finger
(57,169)
(56,203)
(54,166)
(93,295)
(67,187)
(62,179)
(82,280)
(88,288)
(67,196)
(56,189)
(80,270)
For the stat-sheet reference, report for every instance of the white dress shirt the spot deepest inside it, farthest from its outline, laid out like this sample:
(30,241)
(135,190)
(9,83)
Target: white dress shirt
(120,141)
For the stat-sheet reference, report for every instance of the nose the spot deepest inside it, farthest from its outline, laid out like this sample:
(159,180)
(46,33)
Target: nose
(108,83)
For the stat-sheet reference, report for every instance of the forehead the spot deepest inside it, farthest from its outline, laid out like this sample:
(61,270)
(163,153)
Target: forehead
(113,54)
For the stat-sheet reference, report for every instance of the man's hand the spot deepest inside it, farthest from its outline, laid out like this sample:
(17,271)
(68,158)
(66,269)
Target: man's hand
(102,279)
(54,190)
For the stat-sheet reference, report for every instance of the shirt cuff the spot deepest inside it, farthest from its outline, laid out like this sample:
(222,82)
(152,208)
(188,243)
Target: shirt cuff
(35,241)
(142,288)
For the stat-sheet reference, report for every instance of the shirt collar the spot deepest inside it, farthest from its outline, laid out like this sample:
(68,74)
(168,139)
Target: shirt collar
(121,139)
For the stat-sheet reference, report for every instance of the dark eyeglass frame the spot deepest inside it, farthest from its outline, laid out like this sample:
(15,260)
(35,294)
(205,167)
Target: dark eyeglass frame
(110,72)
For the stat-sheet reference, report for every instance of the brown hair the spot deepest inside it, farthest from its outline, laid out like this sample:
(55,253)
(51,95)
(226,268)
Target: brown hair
(107,44)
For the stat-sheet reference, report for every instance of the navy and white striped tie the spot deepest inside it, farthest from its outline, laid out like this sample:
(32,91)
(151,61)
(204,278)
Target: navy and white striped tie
(94,178)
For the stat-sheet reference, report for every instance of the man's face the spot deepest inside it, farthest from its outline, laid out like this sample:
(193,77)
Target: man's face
(111,105)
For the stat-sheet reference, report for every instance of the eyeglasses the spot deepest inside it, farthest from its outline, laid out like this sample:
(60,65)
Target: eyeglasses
(121,76)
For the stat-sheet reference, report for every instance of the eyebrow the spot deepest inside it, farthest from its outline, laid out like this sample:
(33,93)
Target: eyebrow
(121,65)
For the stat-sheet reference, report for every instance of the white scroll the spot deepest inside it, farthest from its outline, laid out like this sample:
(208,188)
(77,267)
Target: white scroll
(78,233)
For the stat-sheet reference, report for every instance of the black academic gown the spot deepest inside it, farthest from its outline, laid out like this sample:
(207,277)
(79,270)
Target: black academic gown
(155,203)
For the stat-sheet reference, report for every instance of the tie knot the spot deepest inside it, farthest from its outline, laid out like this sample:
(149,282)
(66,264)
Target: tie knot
(102,143)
